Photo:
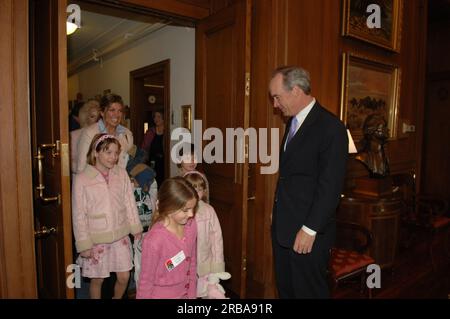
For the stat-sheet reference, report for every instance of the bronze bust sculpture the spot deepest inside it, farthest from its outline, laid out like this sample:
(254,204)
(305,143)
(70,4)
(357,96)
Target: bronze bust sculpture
(373,155)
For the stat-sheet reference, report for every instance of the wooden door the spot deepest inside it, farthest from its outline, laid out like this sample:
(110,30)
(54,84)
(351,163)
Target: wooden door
(17,262)
(49,134)
(222,101)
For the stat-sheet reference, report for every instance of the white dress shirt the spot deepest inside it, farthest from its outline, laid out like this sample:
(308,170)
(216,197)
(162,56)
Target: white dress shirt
(300,119)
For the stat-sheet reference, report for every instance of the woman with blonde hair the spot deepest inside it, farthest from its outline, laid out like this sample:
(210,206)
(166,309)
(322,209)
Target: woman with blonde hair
(112,109)
(89,114)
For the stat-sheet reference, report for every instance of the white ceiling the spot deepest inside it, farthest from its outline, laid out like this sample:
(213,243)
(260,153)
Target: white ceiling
(102,36)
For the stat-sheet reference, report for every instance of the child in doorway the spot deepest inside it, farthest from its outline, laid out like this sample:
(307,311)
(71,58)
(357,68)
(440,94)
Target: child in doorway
(189,164)
(145,185)
(210,260)
(168,267)
(145,194)
(104,213)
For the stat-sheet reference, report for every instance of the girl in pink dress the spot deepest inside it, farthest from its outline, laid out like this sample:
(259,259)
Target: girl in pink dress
(104,214)
(169,261)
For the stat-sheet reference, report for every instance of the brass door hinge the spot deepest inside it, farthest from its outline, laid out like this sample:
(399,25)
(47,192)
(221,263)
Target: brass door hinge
(247,84)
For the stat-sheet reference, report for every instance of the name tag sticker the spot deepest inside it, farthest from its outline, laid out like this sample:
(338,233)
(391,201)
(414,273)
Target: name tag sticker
(175,260)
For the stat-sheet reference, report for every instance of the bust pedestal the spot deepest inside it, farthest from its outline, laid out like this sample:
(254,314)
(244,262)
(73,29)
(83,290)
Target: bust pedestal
(373,186)
(379,214)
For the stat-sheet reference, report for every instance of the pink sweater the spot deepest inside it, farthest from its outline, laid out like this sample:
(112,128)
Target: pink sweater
(159,246)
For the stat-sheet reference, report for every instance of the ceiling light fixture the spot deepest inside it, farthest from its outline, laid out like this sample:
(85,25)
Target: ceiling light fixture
(71,28)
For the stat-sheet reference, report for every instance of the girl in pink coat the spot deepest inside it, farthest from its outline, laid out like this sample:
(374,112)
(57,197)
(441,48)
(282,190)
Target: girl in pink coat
(104,214)
(210,258)
(169,250)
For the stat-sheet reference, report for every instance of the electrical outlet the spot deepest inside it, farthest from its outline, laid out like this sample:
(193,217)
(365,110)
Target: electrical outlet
(406,128)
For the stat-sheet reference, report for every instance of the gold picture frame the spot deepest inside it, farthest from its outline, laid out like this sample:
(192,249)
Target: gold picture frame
(355,22)
(368,87)
(186,116)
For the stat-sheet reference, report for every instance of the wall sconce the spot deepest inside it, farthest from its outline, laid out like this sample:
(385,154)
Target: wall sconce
(351,145)
(71,28)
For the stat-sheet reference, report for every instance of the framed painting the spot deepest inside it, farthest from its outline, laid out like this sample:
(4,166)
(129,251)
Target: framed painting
(368,87)
(375,21)
(186,116)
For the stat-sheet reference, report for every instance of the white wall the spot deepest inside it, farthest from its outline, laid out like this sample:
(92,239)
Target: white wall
(73,85)
(174,43)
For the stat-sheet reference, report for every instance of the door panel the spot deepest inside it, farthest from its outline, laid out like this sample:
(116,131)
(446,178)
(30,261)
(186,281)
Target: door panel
(222,62)
(49,109)
(17,258)
(436,159)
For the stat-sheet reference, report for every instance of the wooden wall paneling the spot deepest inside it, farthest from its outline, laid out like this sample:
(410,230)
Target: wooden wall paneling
(313,43)
(436,159)
(404,153)
(190,9)
(422,27)
(217,5)
(17,259)
(307,33)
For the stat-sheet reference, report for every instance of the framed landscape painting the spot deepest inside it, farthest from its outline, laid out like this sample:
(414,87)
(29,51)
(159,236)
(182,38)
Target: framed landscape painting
(368,87)
(355,17)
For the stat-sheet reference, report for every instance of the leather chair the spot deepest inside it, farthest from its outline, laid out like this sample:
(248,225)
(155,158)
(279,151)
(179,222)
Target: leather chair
(348,258)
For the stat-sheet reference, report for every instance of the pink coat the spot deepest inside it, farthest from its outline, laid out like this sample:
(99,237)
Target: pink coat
(160,246)
(209,241)
(103,213)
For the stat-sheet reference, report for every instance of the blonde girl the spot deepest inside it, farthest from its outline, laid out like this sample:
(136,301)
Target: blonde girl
(210,259)
(104,214)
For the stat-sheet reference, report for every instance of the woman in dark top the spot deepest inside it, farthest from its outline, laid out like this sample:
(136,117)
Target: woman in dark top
(154,144)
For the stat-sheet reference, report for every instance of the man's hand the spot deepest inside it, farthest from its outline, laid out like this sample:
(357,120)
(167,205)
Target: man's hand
(303,242)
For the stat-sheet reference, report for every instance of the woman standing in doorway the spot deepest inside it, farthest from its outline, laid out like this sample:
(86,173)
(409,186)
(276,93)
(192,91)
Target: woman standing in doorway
(153,144)
(112,107)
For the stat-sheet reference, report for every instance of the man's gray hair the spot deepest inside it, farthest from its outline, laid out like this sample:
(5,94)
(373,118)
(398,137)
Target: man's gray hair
(294,76)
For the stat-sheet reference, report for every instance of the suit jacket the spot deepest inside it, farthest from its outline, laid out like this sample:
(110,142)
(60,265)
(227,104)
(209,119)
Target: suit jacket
(311,178)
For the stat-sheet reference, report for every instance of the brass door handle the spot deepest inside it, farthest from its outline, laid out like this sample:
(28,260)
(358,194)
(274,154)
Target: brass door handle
(55,152)
(251,198)
(44,232)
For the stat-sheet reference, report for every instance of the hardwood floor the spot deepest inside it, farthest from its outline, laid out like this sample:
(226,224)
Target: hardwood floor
(412,276)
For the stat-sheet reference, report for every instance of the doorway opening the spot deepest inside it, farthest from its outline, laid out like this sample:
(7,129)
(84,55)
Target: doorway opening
(132,53)
(150,93)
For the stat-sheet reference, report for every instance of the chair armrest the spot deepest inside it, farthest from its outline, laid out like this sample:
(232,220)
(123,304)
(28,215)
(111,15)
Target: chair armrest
(359,229)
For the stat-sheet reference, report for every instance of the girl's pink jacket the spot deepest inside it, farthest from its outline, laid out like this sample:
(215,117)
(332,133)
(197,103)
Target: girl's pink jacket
(103,213)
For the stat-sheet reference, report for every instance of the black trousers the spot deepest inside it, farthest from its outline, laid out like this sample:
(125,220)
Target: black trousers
(300,275)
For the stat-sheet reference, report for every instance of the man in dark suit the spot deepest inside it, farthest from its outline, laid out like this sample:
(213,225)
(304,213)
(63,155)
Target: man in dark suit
(313,158)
